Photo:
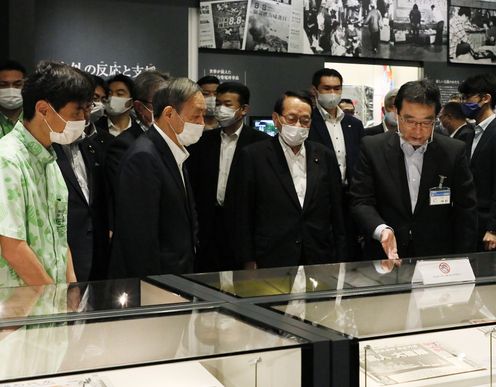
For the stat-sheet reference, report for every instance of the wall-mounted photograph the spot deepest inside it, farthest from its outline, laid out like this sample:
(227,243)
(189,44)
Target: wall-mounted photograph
(390,29)
(472,32)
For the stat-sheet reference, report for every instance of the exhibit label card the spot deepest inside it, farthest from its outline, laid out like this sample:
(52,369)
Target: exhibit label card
(443,271)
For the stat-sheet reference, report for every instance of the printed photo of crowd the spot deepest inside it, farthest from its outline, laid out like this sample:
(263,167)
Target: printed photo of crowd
(392,29)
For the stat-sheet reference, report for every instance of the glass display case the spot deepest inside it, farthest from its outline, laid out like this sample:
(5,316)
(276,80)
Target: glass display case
(407,332)
(366,277)
(130,332)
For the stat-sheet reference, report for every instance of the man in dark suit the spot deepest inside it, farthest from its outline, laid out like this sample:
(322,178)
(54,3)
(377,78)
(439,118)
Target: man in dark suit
(145,86)
(155,220)
(87,222)
(412,191)
(479,100)
(390,122)
(455,123)
(341,133)
(288,205)
(212,160)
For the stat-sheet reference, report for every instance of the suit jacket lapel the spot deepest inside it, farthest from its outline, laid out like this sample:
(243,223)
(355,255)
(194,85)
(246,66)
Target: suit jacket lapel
(313,158)
(486,136)
(67,171)
(243,140)
(396,163)
(278,162)
(88,152)
(321,128)
(428,175)
(167,158)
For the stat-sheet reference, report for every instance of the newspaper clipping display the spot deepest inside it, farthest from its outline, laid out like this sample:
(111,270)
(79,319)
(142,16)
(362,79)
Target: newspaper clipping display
(411,362)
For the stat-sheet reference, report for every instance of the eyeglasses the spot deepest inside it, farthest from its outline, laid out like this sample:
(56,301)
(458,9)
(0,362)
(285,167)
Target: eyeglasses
(293,120)
(425,124)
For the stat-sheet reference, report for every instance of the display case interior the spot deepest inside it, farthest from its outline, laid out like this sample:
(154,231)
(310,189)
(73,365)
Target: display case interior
(208,344)
(432,336)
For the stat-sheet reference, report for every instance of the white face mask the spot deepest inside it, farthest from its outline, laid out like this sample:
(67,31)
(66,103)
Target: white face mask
(329,101)
(71,132)
(10,98)
(117,105)
(226,115)
(294,135)
(390,118)
(191,133)
(97,111)
(210,102)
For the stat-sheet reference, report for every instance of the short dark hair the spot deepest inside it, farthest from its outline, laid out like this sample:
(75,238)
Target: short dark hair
(454,109)
(423,91)
(235,87)
(346,100)
(58,84)
(301,95)
(465,11)
(99,81)
(480,84)
(13,65)
(124,79)
(208,79)
(325,73)
(174,94)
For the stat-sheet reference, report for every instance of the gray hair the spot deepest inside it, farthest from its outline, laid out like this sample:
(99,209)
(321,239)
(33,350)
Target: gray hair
(389,98)
(175,94)
(147,83)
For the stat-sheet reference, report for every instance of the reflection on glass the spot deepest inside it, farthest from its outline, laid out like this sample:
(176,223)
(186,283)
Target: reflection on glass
(416,310)
(26,350)
(85,297)
(85,347)
(354,275)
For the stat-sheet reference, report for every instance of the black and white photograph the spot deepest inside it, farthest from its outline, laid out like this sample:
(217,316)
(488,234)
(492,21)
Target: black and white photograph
(387,29)
(472,33)
(390,29)
(269,24)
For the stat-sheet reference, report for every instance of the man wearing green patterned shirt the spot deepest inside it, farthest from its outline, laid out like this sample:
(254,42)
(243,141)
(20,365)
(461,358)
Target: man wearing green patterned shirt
(33,194)
(12,76)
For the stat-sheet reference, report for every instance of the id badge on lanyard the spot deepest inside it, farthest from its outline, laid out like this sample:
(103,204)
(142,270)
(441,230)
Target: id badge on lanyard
(440,195)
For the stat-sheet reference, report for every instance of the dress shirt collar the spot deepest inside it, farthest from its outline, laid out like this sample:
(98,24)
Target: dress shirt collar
(115,129)
(180,153)
(409,150)
(289,152)
(235,135)
(44,155)
(484,124)
(327,117)
(384,126)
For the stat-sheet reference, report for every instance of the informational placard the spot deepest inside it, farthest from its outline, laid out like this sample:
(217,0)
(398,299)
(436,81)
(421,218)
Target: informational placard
(443,271)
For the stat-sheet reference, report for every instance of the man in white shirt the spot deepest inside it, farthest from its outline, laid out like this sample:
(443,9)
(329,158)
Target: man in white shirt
(288,205)
(155,219)
(479,99)
(211,166)
(339,132)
